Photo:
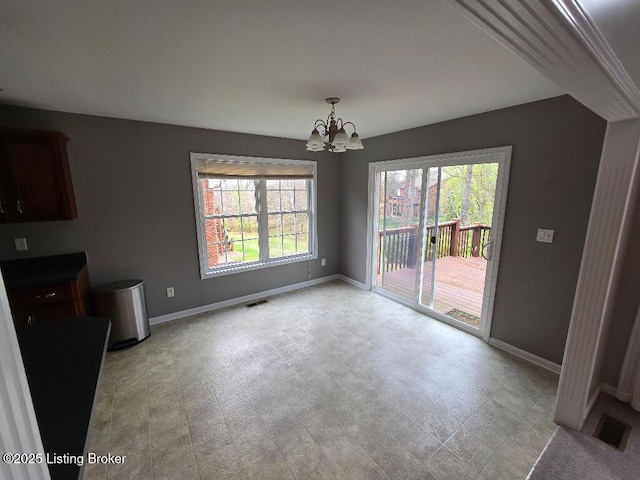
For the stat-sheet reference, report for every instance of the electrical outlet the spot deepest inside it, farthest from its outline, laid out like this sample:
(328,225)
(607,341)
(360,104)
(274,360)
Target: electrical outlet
(545,236)
(21,244)
(170,292)
(323,262)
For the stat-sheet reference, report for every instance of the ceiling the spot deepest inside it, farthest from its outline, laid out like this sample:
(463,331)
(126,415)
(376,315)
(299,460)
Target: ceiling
(258,66)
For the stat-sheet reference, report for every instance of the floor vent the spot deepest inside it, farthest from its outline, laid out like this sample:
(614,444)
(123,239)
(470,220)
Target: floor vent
(255,304)
(612,432)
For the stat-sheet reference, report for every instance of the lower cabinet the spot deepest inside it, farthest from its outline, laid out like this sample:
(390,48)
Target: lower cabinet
(33,306)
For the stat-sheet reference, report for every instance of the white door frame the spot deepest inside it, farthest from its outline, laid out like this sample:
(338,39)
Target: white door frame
(499,155)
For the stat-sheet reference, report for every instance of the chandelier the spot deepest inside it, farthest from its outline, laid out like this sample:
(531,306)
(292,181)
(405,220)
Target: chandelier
(333,128)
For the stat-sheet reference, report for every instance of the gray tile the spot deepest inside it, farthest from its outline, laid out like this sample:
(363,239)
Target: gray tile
(229,393)
(392,419)
(100,446)
(368,433)
(174,462)
(251,436)
(206,433)
(501,468)
(135,467)
(280,419)
(418,442)
(295,444)
(349,458)
(240,413)
(323,426)
(395,460)
(234,472)
(313,466)
(266,463)
(215,456)
(444,465)
(475,449)
(441,426)
(423,473)
(130,439)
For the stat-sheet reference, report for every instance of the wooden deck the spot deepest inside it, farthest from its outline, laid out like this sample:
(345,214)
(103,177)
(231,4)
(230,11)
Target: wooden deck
(458,291)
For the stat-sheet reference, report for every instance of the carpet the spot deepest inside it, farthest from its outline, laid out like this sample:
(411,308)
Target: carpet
(572,455)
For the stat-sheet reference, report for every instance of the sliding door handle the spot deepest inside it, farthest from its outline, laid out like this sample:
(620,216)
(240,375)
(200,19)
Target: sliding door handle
(487,251)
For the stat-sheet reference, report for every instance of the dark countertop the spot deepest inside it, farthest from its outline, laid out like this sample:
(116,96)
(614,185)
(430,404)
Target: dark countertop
(42,271)
(63,361)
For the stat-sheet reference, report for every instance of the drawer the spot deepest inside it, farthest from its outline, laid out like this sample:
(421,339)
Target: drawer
(42,295)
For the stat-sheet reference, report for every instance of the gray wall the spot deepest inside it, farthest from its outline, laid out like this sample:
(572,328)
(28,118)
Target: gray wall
(136,216)
(556,151)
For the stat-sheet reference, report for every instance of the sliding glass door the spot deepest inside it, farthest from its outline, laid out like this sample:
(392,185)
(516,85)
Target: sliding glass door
(436,232)
(397,242)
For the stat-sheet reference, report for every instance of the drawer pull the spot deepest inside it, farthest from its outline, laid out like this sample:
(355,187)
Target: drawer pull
(19,206)
(1,209)
(29,320)
(48,295)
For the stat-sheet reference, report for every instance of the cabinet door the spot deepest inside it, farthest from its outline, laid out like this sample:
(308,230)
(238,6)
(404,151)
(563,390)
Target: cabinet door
(8,192)
(37,181)
(26,316)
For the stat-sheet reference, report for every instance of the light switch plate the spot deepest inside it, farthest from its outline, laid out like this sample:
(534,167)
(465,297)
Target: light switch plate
(21,244)
(544,235)
(170,292)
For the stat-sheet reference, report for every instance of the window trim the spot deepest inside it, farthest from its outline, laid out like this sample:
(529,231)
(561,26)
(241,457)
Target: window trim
(263,232)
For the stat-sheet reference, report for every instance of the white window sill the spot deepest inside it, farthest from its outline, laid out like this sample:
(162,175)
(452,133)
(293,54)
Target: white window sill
(247,267)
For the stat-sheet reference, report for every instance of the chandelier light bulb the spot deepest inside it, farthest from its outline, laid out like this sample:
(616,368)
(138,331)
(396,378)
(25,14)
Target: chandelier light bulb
(341,139)
(315,142)
(355,143)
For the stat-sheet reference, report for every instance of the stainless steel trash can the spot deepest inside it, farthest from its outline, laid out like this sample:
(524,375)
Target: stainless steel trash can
(124,303)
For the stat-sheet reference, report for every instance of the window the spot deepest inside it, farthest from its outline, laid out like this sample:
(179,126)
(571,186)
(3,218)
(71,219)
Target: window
(253,212)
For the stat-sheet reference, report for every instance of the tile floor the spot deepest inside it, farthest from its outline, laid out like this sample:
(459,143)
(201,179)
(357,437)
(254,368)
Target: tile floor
(326,382)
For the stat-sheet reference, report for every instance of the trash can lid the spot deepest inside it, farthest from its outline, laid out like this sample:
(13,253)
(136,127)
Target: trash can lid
(118,286)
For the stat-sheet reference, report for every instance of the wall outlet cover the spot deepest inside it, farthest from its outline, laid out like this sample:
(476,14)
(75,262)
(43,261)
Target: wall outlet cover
(170,292)
(545,235)
(21,244)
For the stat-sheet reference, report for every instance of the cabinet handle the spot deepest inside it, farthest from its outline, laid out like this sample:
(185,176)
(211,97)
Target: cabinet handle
(1,209)
(19,206)
(48,295)
(30,320)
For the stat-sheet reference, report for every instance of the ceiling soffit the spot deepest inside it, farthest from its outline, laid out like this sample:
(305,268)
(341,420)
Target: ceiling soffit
(561,41)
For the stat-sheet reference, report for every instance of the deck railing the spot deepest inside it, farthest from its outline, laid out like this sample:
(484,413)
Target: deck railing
(402,248)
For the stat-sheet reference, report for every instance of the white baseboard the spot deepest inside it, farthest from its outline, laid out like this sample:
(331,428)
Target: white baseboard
(615,392)
(542,362)
(609,390)
(622,396)
(239,300)
(353,282)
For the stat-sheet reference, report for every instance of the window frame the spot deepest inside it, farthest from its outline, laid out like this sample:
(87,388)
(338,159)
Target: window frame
(262,214)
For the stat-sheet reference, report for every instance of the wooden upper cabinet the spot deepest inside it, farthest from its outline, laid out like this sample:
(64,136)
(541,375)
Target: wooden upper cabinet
(35,180)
